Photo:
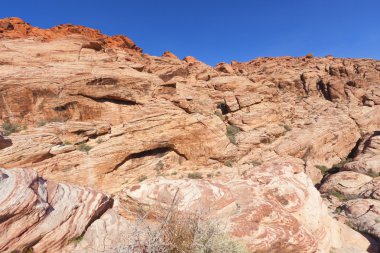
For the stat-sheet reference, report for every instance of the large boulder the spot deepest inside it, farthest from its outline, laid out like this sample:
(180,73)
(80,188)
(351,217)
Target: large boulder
(43,216)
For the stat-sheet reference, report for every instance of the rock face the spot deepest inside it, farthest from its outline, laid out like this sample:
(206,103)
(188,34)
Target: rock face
(272,208)
(43,216)
(82,108)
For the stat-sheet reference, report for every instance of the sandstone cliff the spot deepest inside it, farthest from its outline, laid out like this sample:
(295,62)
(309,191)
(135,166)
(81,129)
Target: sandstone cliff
(81,108)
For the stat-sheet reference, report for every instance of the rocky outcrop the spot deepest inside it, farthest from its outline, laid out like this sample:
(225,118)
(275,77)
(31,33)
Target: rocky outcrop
(14,28)
(83,108)
(272,208)
(4,142)
(43,216)
(367,159)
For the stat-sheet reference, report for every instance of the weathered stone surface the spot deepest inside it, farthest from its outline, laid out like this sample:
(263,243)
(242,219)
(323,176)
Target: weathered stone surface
(364,215)
(272,208)
(107,234)
(367,159)
(43,216)
(5,142)
(94,111)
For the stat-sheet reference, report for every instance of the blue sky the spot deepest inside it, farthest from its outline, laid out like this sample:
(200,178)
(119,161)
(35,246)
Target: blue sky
(221,30)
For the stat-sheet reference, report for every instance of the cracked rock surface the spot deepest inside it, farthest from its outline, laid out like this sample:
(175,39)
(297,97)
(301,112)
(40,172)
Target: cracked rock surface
(80,108)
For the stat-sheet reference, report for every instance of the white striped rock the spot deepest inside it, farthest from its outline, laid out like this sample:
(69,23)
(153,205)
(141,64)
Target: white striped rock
(43,216)
(272,208)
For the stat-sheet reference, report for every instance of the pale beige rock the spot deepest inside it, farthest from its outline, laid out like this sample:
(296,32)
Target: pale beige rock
(367,159)
(363,214)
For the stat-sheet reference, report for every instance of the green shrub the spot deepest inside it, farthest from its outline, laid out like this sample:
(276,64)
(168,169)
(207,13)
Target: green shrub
(65,143)
(195,175)
(255,163)
(142,178)
(220,115)
(322,168)
(76,240)
(84,147)
(371,173)
(338,195)
(10,128)
(342,163)
(228,163)
(46,121)
(231,133)
(287,128)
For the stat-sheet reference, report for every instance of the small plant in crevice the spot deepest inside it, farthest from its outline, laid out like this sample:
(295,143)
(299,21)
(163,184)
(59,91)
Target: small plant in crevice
(324,169)
(84,147)
(372,173)
(288,128)
(194,175)
(51,120)
(142,178)
(76,240)
(338,210)
(10,128)
(220,115)
(100,140)
(228,163)
(159,167)
(174,173)
(231,133)
(255,163)
(25,250)
(338,195)
(342,163)
(66,143)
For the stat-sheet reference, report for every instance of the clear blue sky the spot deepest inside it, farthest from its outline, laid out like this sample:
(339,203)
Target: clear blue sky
(221,30)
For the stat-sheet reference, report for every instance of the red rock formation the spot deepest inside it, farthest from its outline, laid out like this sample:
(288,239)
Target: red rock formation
(16,28)
(88,109)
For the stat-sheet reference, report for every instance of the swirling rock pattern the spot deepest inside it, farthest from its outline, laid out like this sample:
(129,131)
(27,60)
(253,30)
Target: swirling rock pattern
(273,208)
(43,216)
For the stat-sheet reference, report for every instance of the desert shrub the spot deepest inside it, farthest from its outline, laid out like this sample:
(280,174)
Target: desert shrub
(142,178)
(195,175)
(84,147)
(76,240)
(287,128)
(100,140)
(255,163)
(231,133)
(65,143)
(322,168)
(46,121)
(338,195)
(372,173)
(174,173)
(228,163)
(10,128)
(176,231)
(342,163)
(220,115)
